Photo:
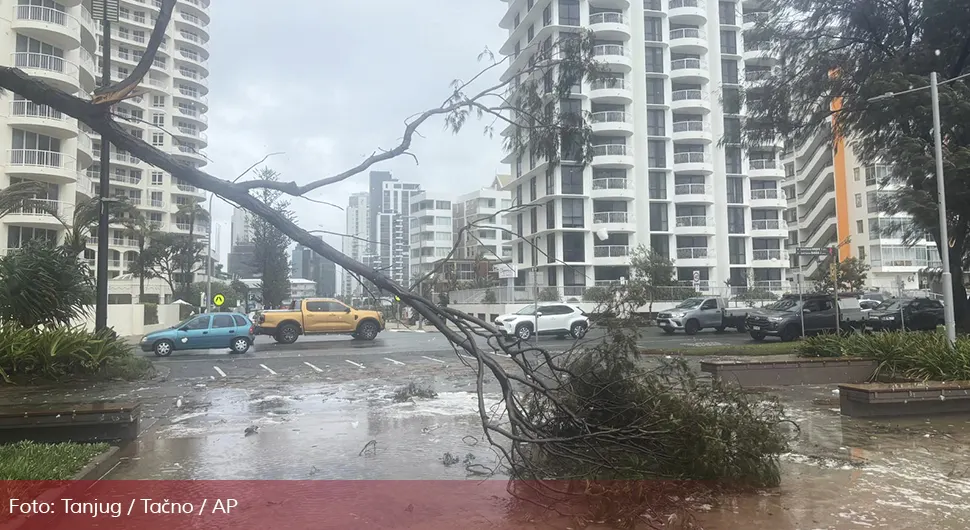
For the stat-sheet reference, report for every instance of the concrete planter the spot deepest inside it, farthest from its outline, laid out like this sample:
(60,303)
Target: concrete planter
(54,423)
(876,400)
(764,373)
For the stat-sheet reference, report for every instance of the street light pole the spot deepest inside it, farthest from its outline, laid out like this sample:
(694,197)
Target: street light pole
(951,330)
(208,261)
(101,274)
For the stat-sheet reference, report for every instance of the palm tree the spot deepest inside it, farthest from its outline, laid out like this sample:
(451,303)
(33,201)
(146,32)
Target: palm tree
(142,230)
(23,194)
(195,212)
(85,220)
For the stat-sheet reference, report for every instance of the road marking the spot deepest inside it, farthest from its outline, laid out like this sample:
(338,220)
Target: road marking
(495,352)
(268,369)
(433,359)
(314,367)
(393,361)
(358,365)
(223,374)
(465,355)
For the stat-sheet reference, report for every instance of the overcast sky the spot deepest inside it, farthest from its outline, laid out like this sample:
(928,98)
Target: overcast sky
(329,82)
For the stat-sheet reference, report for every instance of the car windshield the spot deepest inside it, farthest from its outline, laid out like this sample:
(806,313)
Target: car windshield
(185,322)
(690,303)
(527,310)
(785,304)
(891,305)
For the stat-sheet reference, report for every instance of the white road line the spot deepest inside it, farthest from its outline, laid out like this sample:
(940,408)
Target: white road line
(433,359)
(217,369)
(495,352)
(316,369)
(268,369)
(358,365)
(399,363)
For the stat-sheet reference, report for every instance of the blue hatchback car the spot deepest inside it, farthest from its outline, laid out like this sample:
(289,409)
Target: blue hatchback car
(203,332)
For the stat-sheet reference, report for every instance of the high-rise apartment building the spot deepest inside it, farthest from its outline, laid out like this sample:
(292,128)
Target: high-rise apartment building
(668,168)
(309,265)
(355,244)
(61,44)
(391,252)
(242,226)
(431,236)
(489,231)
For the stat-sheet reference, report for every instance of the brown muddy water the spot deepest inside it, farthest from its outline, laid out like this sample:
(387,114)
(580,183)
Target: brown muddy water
(842,473)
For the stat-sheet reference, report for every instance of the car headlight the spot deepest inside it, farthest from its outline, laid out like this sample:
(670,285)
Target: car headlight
(677,315)
(145,338)
(508,319)
(775,319)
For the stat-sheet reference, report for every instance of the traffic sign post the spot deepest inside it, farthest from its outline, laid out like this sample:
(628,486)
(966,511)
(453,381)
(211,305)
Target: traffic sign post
(218,300)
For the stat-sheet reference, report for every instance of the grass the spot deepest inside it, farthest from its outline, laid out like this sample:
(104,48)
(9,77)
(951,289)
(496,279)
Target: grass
(35,461)
(768,347)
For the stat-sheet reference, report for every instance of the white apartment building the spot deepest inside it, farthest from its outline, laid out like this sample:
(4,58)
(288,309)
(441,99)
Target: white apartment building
(355,241)
(242,226)
(391,252)
(834,200)
(59,43)
(660,175)
(431,236)
(485,210)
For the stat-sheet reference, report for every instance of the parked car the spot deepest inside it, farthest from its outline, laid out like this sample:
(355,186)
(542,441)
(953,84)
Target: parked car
(783,319)
(896,314)
(695,314)
(319,316)
(203,332)
(551,318)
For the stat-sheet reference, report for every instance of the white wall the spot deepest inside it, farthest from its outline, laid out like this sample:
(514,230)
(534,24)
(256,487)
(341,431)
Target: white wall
(129,319)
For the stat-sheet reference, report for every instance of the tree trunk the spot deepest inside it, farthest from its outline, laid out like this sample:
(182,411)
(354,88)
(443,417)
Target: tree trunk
(187,267)
(141,268)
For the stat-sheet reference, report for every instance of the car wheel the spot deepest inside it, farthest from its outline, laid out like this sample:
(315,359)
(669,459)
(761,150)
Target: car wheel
(757,335)
(239,345)
(367,331)
(523,332)
(668,331)
(789,334)
(578,330)
(692,327)
(164,348)
(287,334)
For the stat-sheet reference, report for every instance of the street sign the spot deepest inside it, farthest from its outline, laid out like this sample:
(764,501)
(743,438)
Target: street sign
(218,300)
(813,251)
(506,271)
(697,276)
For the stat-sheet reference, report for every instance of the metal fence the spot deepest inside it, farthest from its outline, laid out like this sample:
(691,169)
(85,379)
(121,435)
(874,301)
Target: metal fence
(742,296)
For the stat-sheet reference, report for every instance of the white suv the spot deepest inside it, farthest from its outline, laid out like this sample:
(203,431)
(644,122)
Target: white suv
(552,318)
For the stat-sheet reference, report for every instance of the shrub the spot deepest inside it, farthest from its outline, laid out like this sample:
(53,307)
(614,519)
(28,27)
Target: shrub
(151,314)
(489,297)
(61,353)
(35,461)
(42,285)
(596,294)
(549,294)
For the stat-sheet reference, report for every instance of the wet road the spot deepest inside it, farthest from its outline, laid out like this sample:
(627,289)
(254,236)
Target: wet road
(405,350)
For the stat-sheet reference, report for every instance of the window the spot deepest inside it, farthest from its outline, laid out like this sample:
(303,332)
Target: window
(651,5)
(732,130)
(158,101)
(653,29)
(656,153)
(533,192)
(240,320)
(658,185)
(569,12)
(158,178)
(735,220)
(547,15)
(551,248)
(222,321)
(655,122)
(534,217)
(859,226)
(572,180)
(654,60)
(532,33)
(729,71)
(573,276)
(551,214)
(655,91)
(862,252)
(199,322)
(658,217)
(158,119)
(731,99)
(158,139)
(735,190)
(520,251)
(572,213)
(726,13)
(729,42)
(858,200)
(732,160)
(736,250)
(856,174)
(573,247)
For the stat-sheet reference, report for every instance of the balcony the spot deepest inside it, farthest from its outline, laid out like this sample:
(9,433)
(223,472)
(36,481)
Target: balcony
(55,70)
(612,155)
(770,285)
(688,40)
(125,158)
(768,198)
(695,161)
(769,228)
(771,257)
(41,212)
(762,54)
(751,20)
(689,71)
(614,221)
(690,100)
(692,12)
(193,114)
(194,134)
(612,121)
(612,188)
(765,168)
(757,78)
(55,166)
(694,224)
(610,26)
(685,193)
(692,130)
(125,179)
(48,25)
(612,90)
(187,188)
(697,256)
(614,56)
(41,119)
(612,251)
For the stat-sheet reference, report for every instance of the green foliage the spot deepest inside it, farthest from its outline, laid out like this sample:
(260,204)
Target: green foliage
(920,356)
(44,285)
(35,461)
(859,50)
(489,297)
(166,256)
(756,295)
(596,294)
(61,353)
(549,294)
(852,274)
(270,252)
(233,297)
(151,314)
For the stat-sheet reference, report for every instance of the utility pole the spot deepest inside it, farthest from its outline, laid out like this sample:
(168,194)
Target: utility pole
(948,317)
(107,12)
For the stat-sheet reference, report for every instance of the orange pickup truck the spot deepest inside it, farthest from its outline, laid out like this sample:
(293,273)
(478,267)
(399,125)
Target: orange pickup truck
(318,316)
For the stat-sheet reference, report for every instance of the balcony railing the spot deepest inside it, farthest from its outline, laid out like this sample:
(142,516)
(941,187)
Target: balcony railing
(43,61)
(681,64)
(769,285)
(691,220)
(610,150)
(611,183)
(607,18)
(615,50)
(753,18)
(691,126)
(764,194)
(765,163)
(765,254)
(694,253)
(605,84)
(769,224)
(156,203)
(684,95)
(611,217)
(695,157)
(757,75)
(29,109)
(675,4)
(611,116)
(187,188)
(41,158)
(47,15)
(691,189)
(685,33)
(42,207)
(127,179)
(611,251)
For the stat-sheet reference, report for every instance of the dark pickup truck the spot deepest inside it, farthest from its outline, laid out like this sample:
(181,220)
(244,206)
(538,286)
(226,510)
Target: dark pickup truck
(922,314)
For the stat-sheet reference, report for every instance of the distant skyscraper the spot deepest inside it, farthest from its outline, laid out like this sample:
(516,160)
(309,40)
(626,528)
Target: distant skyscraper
(357,235)
(242,226)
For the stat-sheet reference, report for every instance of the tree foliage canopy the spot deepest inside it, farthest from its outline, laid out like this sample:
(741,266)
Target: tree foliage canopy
(42,284)
(270,244)
(852,275)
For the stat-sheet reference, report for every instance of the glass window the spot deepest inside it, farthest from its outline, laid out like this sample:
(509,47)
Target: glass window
(222,321)
(573,247)
(735,190)
(653,29)
(199,322)
(655,122)
(240,320)
(658,185)
(658,218)
(572,180)
(729,42)
(656,153)
(572,213)
(654,60)
(655,91)
(569,12)
(729,71)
